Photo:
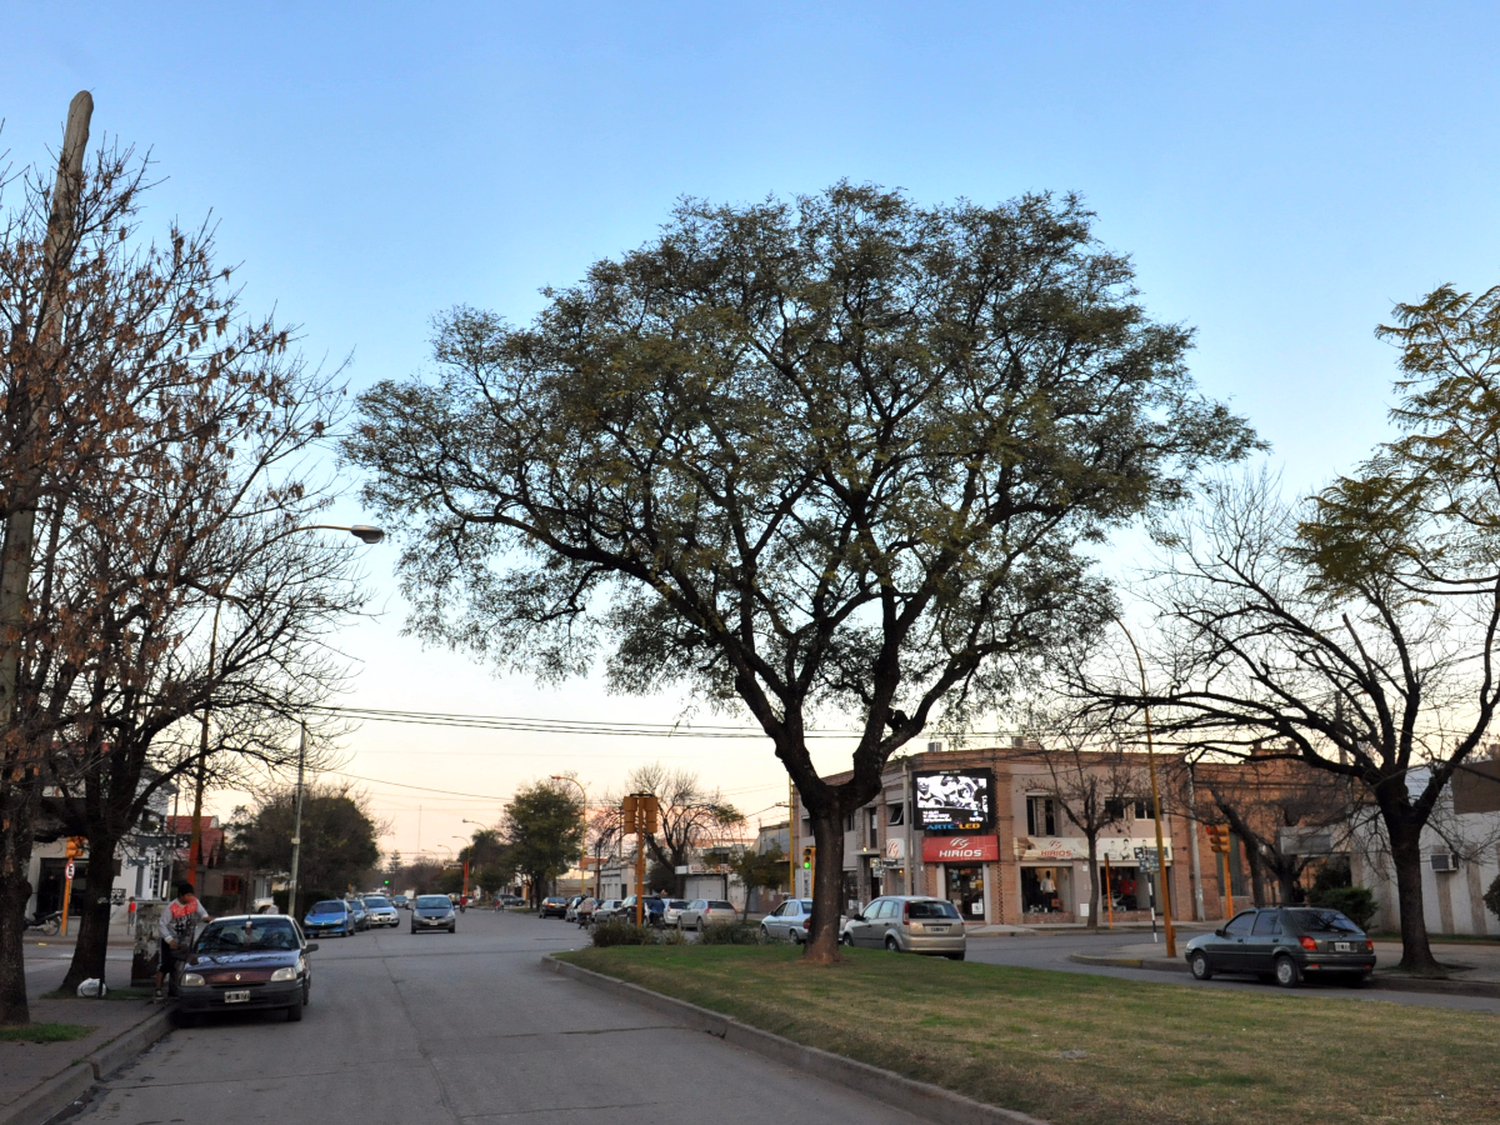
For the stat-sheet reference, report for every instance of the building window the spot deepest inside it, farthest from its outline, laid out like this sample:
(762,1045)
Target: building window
(874,826)
(1117,808)
(1041,816)
(233,885)
(895,814)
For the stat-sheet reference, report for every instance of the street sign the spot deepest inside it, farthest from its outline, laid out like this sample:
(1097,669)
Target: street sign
(1148,859)
(69,869)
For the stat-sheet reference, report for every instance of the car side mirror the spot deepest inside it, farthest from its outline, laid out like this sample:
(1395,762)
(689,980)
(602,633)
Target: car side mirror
(1221,933)
(311,947)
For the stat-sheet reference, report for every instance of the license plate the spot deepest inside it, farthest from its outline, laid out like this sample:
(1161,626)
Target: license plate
(937,929)
(240,997)
(1343,947)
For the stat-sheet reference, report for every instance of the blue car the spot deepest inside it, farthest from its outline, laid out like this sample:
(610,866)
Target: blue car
(329,917)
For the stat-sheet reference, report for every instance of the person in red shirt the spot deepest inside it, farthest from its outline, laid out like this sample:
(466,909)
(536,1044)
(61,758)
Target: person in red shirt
(178,927)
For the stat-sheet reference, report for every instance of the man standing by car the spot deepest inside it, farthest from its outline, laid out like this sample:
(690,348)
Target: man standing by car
(179,922)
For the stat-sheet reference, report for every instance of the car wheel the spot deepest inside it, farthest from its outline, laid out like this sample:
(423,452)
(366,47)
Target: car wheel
(846,939)
(796,937)
(891,944)
(294,1011)
(765,936)
(453,929)
(1287,973)
(1200,966)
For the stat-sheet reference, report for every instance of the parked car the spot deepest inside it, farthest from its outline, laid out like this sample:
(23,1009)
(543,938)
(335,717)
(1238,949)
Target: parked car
(788,921)
(653,908)
(503,901)
(571,913)
(908,924)
(1282,943)
(706,911)
(329,917)
(605,910)
(554,906)
(382,912)
(584,914)
(673,910)
(361,915)
(433,912)
(245,961)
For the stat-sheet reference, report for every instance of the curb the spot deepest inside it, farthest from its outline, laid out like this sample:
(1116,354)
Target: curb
(1487,989)
(49,1098)
(932,1103)
(1157,964)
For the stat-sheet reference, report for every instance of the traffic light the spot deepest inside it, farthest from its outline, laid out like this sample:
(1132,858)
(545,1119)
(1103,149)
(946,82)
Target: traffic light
(809,853)
(653,809)
(1218,837)
(640,813)
(75,846)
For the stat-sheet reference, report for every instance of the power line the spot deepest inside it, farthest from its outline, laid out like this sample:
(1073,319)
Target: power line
(562,726)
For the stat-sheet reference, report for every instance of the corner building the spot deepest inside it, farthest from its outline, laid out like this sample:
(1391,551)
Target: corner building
(1020,860)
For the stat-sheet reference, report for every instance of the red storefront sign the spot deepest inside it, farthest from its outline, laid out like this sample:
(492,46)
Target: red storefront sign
(960,849)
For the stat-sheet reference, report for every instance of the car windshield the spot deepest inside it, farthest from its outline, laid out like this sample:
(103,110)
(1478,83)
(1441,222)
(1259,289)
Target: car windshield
(329,907)
(376,900)
(432,902)
(931,910)
(251,935)
(1323,921)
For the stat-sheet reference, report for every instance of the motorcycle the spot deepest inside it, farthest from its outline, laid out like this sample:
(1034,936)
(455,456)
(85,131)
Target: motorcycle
(47,923)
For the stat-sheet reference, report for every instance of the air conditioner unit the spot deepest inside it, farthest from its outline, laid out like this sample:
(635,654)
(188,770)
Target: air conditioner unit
(1445,862)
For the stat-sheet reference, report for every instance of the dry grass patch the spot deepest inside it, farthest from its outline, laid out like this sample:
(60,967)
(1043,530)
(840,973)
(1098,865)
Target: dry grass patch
(1076,1049)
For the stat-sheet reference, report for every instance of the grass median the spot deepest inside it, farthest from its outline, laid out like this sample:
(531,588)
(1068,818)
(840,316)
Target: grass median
(1076,1049)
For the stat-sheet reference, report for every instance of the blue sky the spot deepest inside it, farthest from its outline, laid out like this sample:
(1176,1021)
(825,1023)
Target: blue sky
(1281,175)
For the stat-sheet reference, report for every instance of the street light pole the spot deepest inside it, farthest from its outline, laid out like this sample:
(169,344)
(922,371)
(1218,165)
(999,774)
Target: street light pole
(366,534)
(1161,854)
(583,846)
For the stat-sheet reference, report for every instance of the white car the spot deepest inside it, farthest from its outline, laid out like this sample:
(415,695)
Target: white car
(788,922)
(381,910)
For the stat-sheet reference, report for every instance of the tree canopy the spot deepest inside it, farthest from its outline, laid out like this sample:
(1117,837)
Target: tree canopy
(828,457)
(542,828)
(339,837)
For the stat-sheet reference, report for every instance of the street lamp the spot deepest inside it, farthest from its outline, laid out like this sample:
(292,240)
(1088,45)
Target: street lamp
(1161,854)
(365,534)
(583,846)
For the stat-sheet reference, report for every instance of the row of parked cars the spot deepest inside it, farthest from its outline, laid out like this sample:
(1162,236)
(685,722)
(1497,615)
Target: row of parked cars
(340,917)
(679,913)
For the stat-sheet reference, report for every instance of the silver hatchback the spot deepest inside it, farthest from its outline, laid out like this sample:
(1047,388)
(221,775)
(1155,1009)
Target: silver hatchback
(909,924)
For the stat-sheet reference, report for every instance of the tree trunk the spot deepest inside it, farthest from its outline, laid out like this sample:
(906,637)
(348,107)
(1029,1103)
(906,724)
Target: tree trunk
(1406,855)
(822,946)
(89,954)
(17,813)
(1257,871)
(1093,843)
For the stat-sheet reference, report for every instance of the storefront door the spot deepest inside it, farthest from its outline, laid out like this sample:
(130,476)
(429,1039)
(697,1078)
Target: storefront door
(966,891)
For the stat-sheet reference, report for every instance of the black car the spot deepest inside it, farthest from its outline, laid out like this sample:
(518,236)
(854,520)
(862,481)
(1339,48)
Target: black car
(554,906)
(653,910)
(244,962)
(1282,943)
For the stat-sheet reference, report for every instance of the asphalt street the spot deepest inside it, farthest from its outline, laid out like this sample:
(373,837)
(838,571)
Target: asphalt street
(468,1028)
(1052,950)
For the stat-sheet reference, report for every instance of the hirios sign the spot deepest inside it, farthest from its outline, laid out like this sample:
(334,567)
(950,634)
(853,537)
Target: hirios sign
(960,849)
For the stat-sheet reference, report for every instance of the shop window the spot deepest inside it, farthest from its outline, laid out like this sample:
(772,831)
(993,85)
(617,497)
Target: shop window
(1041,816)
(1044,890)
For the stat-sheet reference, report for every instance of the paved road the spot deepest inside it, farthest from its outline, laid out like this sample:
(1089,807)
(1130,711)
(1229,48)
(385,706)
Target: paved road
(1051,951)
(464,1028)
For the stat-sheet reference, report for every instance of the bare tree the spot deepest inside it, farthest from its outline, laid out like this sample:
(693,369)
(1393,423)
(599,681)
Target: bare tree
(690,815)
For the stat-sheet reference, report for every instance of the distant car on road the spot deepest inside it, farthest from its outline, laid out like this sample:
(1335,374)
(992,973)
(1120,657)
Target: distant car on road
(909,924)
(329,917)
(787,921)
(245,961)
(705,912)
(1282,944)
(382,912)
(554,906)
(361,915)
(433,912)
(401,902)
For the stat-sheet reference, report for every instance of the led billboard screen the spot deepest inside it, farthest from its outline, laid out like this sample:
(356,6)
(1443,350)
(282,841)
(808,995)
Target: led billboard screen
(955,800)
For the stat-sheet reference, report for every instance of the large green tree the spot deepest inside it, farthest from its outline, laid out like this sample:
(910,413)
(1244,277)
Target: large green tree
(825,458)
(339,837)
(542,828)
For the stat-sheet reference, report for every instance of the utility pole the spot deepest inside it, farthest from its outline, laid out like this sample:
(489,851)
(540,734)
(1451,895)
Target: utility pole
(28,407)
(291,896)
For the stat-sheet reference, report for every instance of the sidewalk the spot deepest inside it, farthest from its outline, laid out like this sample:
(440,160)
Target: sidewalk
(38,1080)
(1474,967)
